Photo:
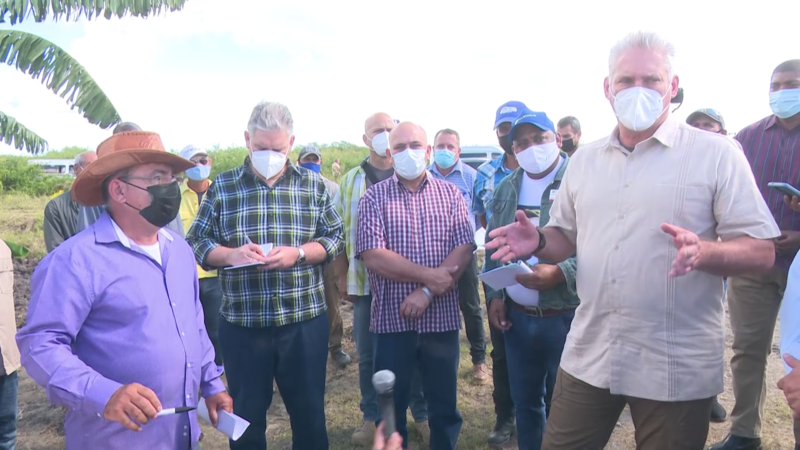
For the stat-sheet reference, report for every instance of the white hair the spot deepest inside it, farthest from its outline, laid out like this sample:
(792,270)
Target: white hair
(80,157)
(270,116)
(643,39)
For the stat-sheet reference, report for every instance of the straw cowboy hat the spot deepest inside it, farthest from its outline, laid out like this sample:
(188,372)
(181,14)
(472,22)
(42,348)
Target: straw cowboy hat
(119,152)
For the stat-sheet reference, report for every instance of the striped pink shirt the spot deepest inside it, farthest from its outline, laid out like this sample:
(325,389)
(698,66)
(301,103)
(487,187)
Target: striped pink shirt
(423,227)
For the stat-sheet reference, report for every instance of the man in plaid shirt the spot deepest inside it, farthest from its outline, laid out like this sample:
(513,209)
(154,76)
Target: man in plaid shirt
(274,315)
(415,313)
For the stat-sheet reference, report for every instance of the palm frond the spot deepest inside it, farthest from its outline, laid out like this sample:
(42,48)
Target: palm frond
(60,72)
(14,133)
(19,10)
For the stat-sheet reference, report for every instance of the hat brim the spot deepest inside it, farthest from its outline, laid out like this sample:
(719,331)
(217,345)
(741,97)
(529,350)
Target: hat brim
(695,114)
(87,188)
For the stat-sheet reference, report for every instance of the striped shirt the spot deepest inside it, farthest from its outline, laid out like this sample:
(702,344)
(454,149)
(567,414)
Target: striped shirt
(774,155)
(422,226)
(463,176)
(489,175)
(239,208)
(352,187)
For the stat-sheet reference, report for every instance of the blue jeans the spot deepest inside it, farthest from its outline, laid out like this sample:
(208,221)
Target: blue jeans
(211,300)
(296,357)
(533,349)
(365,345)
(8,411)
(436,357)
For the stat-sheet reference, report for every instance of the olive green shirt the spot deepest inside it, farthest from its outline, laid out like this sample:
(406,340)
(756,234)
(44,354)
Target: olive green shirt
(60,220)
(503,209)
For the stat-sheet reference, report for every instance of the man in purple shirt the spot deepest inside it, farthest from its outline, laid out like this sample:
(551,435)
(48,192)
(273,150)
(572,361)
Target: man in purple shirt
(115,328)
(415,238)
(772,145)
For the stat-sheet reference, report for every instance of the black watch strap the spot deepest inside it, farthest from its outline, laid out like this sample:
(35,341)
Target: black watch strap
(542,241)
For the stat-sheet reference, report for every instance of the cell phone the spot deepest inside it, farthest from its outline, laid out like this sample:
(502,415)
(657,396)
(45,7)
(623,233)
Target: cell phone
(785,188)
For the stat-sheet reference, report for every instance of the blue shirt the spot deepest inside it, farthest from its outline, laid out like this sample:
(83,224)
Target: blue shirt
(463,176)
(490,174)
(790,315)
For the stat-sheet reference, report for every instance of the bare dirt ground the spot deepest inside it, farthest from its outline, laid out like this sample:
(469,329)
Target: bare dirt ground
(40,424)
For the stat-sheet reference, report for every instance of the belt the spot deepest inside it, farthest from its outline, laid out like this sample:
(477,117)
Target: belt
(538,312)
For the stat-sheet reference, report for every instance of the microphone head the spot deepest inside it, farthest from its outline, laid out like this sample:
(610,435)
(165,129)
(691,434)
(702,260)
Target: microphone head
(383,381)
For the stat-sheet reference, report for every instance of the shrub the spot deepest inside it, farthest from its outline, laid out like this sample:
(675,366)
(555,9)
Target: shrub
(17,176)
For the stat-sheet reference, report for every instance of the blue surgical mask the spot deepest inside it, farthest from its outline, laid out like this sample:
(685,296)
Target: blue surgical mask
(444,158)
(314,167)
(199,172)
(785,103)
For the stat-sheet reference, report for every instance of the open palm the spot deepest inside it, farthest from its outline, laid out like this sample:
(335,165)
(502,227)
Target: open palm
(515,241)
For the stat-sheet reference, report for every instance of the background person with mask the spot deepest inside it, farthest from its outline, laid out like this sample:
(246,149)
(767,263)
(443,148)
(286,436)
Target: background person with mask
(772,146)
(448,166)
(535,314)
(707,119)
(311,158)
(274,325)
(61,213)
(353,283)
(416,239)
(643,209)
(569,130)
(193,189)
(490,175)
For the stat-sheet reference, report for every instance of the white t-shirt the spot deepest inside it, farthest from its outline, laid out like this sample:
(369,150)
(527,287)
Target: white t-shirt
(153,250)
(530,201)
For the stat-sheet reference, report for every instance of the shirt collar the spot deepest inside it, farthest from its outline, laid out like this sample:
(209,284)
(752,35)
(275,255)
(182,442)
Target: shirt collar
(771,121)
(400,183)
(501,164)
(248,168)
(106,231)
(666,134)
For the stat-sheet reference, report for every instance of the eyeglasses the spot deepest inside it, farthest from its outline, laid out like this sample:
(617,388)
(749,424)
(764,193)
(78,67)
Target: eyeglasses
(156,179)
(202,161)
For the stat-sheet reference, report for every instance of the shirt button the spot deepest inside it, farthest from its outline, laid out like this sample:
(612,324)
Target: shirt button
(190,364)
(185,434)
(188,396)
(186,427)
(613,281)
(173,304)
(627,185)
(616,247)
(98,415)
(621,216)
(183,334)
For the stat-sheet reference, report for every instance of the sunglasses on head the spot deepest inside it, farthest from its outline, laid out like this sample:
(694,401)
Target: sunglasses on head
(202,161)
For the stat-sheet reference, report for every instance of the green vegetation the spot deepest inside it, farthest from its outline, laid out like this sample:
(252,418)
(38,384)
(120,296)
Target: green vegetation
(21,222)
(19,177)
(57,70)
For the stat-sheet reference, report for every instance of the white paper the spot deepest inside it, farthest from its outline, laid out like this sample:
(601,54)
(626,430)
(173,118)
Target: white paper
(522,295)
(231,425)
(266,248)
(504,276)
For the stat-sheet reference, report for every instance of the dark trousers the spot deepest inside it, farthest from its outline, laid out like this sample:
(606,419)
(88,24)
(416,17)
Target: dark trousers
(583,417)
(469,301)
(503,404)
(9,385)
(534,346)
(211,300)
(436,355)
(295,356)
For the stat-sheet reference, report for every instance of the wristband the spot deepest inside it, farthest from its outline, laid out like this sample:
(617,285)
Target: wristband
(427,292)
(542,241)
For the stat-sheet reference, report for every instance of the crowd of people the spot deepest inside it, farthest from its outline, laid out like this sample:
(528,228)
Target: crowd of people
(159,279)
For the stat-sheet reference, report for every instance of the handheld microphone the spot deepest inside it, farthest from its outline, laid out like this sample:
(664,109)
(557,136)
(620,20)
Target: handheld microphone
(383,381)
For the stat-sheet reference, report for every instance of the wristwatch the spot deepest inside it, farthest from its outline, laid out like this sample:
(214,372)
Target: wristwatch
(301,255)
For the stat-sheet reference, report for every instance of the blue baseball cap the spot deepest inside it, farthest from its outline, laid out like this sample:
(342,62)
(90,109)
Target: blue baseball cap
(507,112)
(535,118)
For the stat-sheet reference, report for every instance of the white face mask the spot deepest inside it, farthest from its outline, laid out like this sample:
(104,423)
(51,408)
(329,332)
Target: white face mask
(538,158)
(380,143)
(268,162)
(410,163)
(638,108)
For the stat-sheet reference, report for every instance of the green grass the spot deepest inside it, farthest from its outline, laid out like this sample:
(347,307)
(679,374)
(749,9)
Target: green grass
(21,221)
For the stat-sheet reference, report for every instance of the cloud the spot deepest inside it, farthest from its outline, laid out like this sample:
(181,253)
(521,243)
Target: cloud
(195,75)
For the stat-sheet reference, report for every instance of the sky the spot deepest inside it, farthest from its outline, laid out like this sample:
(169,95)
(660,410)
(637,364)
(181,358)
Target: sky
(194,75)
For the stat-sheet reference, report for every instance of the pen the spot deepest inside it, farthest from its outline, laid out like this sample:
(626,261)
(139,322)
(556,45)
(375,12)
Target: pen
(170,411)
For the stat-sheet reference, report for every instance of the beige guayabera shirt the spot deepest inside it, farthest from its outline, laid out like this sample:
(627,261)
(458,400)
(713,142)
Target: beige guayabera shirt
(8,321)
(637,331)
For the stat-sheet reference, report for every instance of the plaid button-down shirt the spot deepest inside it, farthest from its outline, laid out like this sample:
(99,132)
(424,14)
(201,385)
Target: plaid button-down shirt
(296,210)
(422,226)
(352,187)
